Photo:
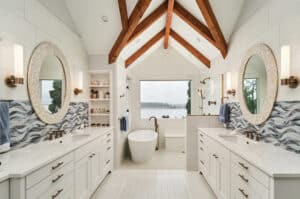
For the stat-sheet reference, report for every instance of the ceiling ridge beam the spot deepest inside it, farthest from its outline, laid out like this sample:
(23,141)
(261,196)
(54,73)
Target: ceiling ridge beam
(190,48)
(168,22)
(123,37)
(194,23)
(123,13)
(144,48)
(148,21)
(213,25)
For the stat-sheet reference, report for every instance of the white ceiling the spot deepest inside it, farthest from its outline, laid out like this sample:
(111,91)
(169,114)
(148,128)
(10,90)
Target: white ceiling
(99,37)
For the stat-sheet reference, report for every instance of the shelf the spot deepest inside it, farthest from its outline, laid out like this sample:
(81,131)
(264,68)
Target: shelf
(99,114)
(98,100)
(99,86)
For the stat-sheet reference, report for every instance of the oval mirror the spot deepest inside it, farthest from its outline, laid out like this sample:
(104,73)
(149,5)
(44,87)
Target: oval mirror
(258,84)
(49,83)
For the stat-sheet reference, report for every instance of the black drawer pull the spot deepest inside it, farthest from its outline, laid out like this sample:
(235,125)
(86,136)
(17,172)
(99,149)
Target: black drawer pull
(108,141)
(108,148)
(214,155)
(201,149)
(202,162)
(108,161)
(243,165)
(109,134)
(57,166)
(57,178)
(244,194)
(201,141)
(243,178)
(201,135)
(57,193)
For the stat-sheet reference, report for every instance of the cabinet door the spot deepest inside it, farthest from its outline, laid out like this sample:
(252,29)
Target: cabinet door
(4,190)
(82,178)
(96,173)
(212,172)
(223,178)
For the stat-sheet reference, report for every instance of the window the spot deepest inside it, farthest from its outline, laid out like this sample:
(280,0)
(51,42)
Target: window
(165,99)
(250,94)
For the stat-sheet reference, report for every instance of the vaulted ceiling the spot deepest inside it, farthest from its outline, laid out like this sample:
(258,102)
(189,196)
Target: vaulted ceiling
(198,29)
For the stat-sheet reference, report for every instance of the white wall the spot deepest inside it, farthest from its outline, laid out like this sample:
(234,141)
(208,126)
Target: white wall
(273,22)
(163,65)
(28,22)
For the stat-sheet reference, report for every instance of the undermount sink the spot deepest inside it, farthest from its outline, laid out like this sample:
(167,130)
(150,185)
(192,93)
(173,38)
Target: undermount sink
(237,139)
(79,136)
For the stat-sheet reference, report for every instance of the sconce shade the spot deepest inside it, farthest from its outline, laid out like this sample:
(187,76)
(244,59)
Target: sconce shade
(285,62)
(18,61)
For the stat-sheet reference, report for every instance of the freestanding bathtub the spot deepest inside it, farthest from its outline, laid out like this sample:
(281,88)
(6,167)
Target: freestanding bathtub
(142,145)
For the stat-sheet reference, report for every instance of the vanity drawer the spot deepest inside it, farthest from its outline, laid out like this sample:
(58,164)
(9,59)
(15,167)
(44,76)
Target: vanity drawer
(63,189)
(247,190)
(246,182)
(239,163)
(201,137)
(46,171)
(52,181)
(87,149)
(109,135)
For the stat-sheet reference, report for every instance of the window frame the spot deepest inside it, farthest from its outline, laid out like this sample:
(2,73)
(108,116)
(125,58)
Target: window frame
(161,80)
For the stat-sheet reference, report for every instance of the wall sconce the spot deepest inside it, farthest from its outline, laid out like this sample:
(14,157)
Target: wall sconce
(286,78)
(230,90)
(18,76)
(79,89)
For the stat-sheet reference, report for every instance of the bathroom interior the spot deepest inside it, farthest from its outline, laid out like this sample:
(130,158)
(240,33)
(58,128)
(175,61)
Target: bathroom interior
(139,99)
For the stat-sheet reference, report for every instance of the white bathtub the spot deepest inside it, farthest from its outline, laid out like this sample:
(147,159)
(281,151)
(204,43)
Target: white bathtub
(142,145)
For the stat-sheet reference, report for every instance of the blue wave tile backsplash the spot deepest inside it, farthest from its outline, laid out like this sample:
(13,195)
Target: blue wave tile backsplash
(26,128)
(281,129)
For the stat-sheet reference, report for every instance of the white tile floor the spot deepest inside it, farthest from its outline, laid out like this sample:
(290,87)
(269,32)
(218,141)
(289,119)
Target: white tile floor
(154,184)
(161,160)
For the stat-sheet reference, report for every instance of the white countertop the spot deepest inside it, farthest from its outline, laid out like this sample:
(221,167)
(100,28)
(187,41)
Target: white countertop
(274,161)
(19,163)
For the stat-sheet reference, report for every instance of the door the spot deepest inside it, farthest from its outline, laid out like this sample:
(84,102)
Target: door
(82,178)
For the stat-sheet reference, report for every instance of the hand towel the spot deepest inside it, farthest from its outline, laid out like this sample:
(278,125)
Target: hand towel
(224,115)
(123,124)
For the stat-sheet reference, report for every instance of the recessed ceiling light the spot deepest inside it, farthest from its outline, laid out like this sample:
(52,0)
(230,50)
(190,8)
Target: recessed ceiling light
(104,18)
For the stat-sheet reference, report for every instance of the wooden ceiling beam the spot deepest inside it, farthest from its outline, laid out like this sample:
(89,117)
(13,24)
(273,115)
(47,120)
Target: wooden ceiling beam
(168,22)
(144,48)
(148,21)
(134,19)
(213,25)
(123,13)
(194,23)
(190,48)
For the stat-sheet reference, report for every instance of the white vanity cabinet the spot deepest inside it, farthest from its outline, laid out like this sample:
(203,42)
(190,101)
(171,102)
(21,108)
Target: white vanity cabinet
(237,170)
(91,165)
(214,163)
(77,174)
(4,190)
